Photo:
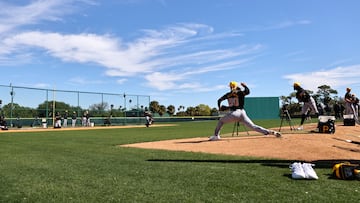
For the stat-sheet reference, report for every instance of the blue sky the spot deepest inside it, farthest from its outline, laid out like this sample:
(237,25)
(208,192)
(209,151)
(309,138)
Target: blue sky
(180,52)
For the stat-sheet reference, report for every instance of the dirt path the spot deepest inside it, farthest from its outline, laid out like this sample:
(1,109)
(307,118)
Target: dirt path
(78,128)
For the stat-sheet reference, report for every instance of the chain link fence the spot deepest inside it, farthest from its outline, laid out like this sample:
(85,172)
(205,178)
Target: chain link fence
(26,106)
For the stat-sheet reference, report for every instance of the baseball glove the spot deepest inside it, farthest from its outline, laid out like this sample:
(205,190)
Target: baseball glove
(224,108)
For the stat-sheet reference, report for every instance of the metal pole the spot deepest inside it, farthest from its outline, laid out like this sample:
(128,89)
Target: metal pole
(137,108)
(124,108)
(54,107)
(102,104)
(47,106)
(12,104)
(78,104)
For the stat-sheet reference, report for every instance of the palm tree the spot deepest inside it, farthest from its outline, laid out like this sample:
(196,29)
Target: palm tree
(171,110)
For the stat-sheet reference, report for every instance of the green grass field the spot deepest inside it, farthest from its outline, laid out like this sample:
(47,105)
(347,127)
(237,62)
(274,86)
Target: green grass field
(88,166)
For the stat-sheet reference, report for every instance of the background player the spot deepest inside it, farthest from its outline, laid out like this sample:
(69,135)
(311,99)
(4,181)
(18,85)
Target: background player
(308,106)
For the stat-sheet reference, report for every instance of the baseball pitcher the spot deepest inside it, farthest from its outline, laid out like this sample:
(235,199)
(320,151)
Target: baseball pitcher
(237,113)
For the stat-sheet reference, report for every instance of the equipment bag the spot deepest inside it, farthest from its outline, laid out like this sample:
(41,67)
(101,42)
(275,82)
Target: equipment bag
(328,127)
(326,124)
(346,171)
(349,120)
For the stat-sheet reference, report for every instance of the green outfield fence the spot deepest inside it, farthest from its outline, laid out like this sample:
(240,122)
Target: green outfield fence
(21,106)
(262,107)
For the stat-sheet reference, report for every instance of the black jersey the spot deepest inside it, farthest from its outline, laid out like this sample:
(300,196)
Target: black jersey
(302,95)
(236,98)
(348,96)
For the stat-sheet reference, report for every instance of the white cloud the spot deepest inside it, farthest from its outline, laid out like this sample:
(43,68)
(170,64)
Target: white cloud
(121,81)
(84,81)
(40,85)
(17,59)
(15,16)
(335,78)
(289,23)
(173,55)
(339,62)
(178,82)
(157,50)
(163,81)
(35,85)
(277,26)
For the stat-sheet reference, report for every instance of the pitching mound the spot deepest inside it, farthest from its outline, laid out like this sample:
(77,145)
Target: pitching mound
(293,145)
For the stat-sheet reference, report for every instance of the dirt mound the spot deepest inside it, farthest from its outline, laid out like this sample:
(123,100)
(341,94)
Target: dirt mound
(293,145)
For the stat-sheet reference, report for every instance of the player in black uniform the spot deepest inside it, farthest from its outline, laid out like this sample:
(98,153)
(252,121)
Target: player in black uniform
(308,106)
(236,98)
(349,109)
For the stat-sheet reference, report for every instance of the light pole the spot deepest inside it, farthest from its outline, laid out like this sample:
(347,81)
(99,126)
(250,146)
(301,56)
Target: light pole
(12,103)
(124,108)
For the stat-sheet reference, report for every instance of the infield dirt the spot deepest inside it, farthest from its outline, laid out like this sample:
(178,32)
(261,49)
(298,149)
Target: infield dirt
(293,145)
